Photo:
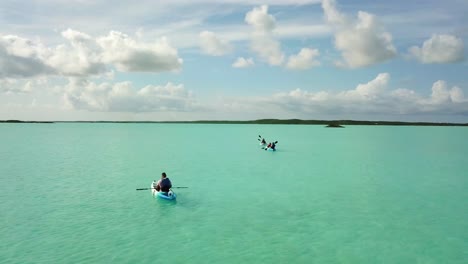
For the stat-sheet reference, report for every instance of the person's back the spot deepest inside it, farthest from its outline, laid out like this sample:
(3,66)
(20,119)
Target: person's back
(165,184)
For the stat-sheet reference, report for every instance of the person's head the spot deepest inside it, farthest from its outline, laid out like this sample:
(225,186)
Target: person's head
(163,175)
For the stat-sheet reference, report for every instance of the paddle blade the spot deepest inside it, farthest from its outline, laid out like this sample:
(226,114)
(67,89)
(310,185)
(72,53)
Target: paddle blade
(141,189)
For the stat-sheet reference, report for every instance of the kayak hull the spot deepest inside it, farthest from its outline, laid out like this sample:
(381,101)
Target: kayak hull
(163,195)
(167,196)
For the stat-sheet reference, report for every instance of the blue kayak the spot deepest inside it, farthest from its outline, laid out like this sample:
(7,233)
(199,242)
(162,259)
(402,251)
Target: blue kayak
(167,195)
(170,195)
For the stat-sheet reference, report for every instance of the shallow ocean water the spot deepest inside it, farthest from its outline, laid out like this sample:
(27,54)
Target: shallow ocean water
(362,194)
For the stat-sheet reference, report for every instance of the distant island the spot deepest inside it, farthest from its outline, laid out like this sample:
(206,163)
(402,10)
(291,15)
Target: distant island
(20,121)
(335,125)
(328,123)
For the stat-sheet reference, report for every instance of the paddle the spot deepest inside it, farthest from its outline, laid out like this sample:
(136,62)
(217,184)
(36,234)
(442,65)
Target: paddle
(141,189)
(262,141)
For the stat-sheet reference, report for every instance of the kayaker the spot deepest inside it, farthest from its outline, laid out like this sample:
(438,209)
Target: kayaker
(269,145)
(263,141)
(273,145)
(164,184)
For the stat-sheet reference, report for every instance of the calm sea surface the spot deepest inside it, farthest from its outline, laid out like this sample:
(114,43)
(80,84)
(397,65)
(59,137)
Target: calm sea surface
(362,194)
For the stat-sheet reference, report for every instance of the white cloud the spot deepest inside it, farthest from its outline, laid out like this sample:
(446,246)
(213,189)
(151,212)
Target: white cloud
(442,94)
(123,97)
(131,56)
(82,55)
(263,42)
(370,98)
(213,45)
(22,86)
(268,49)
(259,18)
(439,49)
(370,90)
(362,42)
(22,58)
(241,62)
(305,59)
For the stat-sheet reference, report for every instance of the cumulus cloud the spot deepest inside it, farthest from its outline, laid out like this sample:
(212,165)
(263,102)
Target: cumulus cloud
(362,42)
(123,97)
(372,97)
(259,18)
(83,55)
(80,57)
(131,56)
(213,45)
(241,62)
(305,59)
(22,58)
(439,49)
(263,43)
(442,94)
(370,90)
(22,86)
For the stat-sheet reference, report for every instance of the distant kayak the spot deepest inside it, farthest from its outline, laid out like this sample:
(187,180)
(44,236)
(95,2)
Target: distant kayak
(170,195)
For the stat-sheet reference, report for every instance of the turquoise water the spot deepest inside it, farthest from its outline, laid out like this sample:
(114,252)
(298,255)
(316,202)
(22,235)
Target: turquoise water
(362,194)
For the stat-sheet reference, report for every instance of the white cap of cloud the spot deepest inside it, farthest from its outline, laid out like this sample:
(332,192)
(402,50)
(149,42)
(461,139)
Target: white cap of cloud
(372,97)
(128,55)
(259,18)
(213,45)
(362,42)
(374,87)
(263,43)
(332,15)
(439,49)
(305,59)
(123,97)
(83,55)
(368,91)
(22,58)
(268,49)
(81,58)
(241,62)
(441,93)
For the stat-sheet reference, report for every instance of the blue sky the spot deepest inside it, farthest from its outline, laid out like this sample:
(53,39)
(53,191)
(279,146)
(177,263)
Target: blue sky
(234,60)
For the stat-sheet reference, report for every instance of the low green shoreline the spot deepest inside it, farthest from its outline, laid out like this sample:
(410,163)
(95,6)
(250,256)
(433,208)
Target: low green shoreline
(266,122)
(20,121)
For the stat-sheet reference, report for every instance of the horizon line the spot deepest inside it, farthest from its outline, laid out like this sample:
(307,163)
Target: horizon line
(293,121)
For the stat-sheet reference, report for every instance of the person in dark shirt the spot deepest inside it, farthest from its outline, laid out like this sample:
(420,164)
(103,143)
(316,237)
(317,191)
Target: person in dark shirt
(164,184)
